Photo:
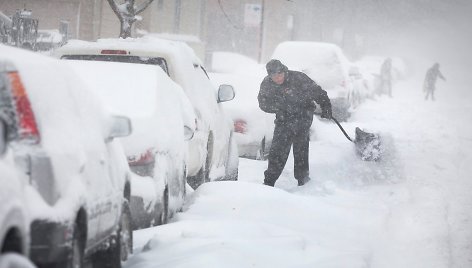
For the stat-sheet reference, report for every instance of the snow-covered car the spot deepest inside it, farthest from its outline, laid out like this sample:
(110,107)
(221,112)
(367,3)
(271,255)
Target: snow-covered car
(162,118)
(14,216)
(326,64)
(64,145)
(48,40)
(213,150)
(253,128)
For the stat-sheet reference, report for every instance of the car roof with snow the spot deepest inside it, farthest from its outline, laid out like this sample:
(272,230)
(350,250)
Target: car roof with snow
(145,47)
(180,58)
(149,98)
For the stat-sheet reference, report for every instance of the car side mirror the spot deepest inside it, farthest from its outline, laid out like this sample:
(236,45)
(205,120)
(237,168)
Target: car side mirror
(188,133)
(120,126)
(3,137)
(225,93)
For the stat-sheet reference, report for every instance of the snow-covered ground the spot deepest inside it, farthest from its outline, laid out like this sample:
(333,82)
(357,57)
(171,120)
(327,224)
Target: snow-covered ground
(412,209)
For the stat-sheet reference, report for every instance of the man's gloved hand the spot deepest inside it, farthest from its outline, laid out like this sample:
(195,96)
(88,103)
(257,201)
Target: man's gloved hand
(326,113)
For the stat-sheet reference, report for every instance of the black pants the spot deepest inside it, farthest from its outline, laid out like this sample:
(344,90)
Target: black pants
(286,134)
(430,90)
(386,86)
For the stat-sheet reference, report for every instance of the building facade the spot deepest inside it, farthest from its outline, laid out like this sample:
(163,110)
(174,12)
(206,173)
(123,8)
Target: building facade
(249,27)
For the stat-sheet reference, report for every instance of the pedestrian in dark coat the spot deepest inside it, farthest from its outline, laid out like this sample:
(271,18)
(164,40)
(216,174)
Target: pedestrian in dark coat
(386,77)
(430,80)
(291,96)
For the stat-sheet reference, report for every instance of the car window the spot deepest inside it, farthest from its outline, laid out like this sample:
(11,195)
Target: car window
(127,59)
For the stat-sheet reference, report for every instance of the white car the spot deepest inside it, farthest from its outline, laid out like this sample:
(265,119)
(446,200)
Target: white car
(213,150)
(14,216)
(326,64)
(64,145)
(253,128)
(162,118)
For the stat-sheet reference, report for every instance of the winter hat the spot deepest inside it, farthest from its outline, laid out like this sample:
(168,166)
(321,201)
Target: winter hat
(275,66)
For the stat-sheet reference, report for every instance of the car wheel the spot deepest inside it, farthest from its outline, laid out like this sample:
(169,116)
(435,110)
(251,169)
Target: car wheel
(164,216)
(121,245)
(125,238)
(232,162)
(77,255)
(14,260)
(203,174)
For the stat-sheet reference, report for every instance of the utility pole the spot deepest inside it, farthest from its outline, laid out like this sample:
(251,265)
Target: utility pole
(261,31)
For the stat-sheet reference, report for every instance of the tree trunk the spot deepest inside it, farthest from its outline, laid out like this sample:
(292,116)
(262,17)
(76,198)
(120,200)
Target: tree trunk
(125,29)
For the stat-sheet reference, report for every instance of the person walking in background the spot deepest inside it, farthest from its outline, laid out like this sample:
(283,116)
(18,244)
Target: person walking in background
(386,77)
(290,95)
(432,75)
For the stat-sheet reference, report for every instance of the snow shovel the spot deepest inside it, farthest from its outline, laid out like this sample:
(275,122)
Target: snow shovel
(368,145)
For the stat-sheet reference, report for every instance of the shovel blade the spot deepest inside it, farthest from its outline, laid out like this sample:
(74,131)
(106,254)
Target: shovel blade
(368,145)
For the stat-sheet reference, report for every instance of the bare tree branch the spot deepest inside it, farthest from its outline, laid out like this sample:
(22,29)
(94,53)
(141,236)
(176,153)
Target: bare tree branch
(126,13)
(143,6)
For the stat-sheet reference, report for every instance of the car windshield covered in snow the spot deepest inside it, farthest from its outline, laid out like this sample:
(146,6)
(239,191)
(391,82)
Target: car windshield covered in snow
(121,58)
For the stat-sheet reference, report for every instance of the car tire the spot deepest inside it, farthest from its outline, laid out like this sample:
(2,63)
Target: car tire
(164,215)
(232,162)
(203,174)
(125,238)
(122,246)
(14,260)
(76,259)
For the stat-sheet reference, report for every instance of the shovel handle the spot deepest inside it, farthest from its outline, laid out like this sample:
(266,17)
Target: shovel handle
(342,129)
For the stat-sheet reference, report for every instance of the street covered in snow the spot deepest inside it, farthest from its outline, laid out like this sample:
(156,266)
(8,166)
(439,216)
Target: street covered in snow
(411,209)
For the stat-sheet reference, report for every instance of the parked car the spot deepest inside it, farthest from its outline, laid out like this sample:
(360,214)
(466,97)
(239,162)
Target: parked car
(64,145)
(14,216)
(213,150)
(253,128)
(163,119)
(48,40)
(326,64)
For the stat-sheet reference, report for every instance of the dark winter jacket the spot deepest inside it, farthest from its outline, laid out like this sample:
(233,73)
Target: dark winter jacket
(386,70)
(293,100)
(431,76)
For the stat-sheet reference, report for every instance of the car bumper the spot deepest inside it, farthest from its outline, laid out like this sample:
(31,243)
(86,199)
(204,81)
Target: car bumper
(51,242)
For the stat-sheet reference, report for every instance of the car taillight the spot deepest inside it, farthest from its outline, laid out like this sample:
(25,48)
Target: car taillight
(240,126)
(143,159)
(28,128)
(113,52)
